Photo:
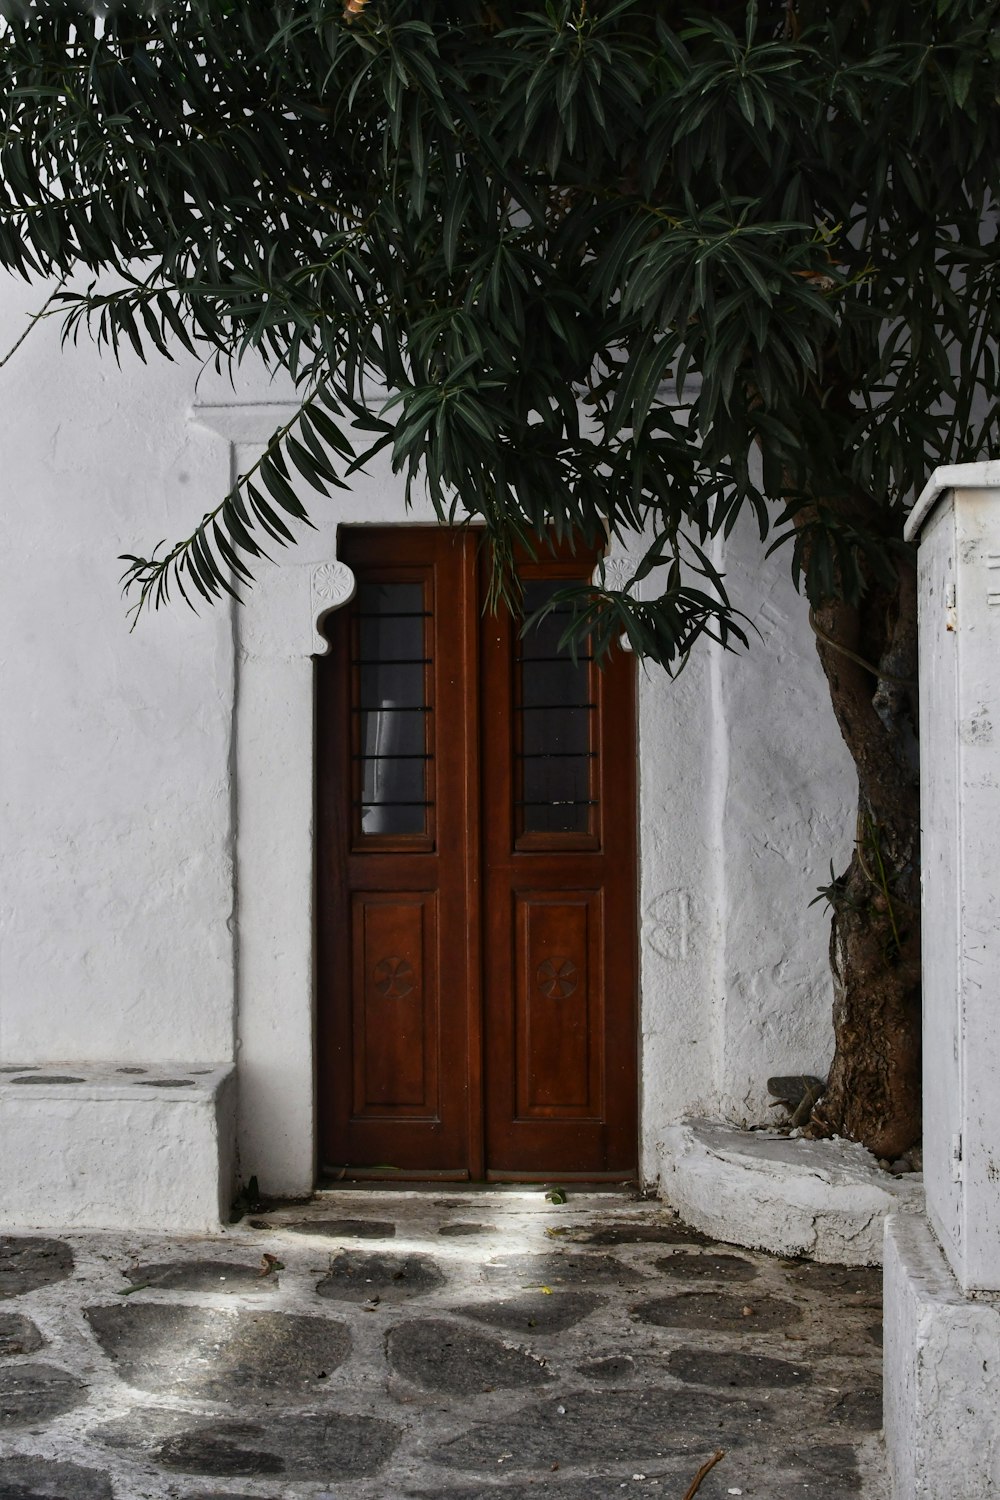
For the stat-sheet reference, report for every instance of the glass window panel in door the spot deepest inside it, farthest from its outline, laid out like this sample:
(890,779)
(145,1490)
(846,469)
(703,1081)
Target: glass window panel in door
(555,711)
(391,676)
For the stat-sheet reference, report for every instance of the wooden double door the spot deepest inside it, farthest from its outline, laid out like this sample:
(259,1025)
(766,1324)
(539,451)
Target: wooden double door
(476,876)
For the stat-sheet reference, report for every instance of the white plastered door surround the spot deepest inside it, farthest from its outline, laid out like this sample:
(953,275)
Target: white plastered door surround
(732,985)
(278,636)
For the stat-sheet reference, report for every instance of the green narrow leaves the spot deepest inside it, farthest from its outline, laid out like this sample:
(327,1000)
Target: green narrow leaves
(214,560)
(641,265)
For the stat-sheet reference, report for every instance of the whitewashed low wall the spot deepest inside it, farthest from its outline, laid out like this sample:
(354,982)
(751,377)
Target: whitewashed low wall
(827,1200)
(110,1148)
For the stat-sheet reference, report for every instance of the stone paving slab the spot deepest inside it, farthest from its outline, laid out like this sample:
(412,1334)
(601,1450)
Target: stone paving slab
(739,1313)
(317,1445)
(225,1354)
(27,1262)
(355,1277)
(44,1479)
(438,1354)
(497,1347)
(18,1335)
(535,1312)
(201,1276)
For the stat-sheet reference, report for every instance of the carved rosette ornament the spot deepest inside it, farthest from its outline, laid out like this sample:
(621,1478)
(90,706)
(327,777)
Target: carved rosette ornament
(614,573)
(332,586)
(617,572)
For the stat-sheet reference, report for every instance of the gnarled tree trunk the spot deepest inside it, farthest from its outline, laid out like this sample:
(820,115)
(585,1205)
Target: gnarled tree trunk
(869,655)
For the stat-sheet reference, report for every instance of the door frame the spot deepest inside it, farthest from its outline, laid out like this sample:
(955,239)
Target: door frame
(388,547)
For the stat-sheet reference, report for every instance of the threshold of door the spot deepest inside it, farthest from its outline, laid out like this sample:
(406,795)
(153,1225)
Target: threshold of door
(623,1179)
(331,1176)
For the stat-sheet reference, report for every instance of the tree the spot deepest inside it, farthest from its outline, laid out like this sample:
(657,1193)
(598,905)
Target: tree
(525,224)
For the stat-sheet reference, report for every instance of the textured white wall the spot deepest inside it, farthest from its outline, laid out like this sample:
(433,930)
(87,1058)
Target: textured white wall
(789,807)
(747,794)
(681,768)
(115,851)
(118,832)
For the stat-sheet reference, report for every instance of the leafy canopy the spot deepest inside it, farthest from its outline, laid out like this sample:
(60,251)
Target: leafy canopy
(600,254)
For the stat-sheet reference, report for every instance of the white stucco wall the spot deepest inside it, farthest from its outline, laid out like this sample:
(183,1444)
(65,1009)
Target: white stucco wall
(124,934)
(747,794)
(115,856)
(788,809)
(681,775)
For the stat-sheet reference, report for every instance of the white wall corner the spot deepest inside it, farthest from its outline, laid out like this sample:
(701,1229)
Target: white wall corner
(680,932)
(279,638)
(959,637)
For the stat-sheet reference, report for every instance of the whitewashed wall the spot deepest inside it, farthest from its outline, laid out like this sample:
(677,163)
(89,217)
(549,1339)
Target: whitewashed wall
(747,794)
(121,927)
(115,850)
(788,809)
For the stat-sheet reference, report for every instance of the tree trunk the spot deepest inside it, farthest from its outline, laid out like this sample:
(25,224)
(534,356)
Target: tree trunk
(869,655)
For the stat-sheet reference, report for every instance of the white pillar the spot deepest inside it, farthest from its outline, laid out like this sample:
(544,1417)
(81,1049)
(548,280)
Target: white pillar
(957,521)
(942,1362)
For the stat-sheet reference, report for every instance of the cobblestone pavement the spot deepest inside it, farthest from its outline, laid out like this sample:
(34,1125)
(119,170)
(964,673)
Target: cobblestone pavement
(434,1346)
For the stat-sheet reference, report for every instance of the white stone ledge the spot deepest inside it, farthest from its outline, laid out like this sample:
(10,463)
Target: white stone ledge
(104,1147)
(942,1374)
(979,476)
(824,1199)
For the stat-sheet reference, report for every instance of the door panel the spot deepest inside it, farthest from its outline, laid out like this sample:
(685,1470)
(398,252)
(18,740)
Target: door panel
(395,991)
(476,875)
(558,889)
(398,1033)
(558,943)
